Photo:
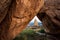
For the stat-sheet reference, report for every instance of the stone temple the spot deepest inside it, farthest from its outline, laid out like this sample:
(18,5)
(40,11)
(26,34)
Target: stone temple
(36,23)
(35,26)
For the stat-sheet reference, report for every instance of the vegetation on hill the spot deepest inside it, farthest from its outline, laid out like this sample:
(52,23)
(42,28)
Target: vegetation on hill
(30,35)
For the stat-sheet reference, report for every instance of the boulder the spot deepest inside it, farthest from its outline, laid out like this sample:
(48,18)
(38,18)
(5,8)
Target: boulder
(50,16)
(16,15)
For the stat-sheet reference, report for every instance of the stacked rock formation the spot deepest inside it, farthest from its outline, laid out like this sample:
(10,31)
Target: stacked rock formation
(15,15)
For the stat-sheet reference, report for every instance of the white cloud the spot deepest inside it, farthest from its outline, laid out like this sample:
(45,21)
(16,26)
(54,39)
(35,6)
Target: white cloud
(36,19)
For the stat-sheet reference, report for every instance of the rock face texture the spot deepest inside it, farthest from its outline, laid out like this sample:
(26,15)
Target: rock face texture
(4,6)
(50,16)
(15,15)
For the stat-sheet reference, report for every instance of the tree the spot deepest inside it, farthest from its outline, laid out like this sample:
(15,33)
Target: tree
(25,35)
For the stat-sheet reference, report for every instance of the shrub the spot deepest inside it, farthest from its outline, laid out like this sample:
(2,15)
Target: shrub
(25,35)
(41,31)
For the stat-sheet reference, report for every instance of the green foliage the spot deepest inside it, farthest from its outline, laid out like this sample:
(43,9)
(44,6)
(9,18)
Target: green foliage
(30,35)
(25,35)
(41,31)
(27,32)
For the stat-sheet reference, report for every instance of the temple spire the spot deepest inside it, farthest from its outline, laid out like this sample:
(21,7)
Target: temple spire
(36,23)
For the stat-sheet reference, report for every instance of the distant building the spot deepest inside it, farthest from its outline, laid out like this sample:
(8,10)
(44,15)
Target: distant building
(36,23)
(36,26)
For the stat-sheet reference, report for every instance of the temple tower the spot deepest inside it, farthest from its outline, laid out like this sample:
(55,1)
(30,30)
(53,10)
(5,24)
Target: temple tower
(36,23)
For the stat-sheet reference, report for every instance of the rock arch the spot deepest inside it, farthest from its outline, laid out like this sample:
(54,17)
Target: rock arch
(18,13)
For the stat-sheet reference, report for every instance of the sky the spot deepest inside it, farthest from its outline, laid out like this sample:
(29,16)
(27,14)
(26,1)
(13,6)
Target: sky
(36,19)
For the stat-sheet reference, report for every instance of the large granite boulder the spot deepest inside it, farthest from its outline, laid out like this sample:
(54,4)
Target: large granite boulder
(50,17)
(15,15)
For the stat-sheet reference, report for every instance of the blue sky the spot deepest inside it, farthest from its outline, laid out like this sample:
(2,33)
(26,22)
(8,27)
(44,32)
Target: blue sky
(36,19)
